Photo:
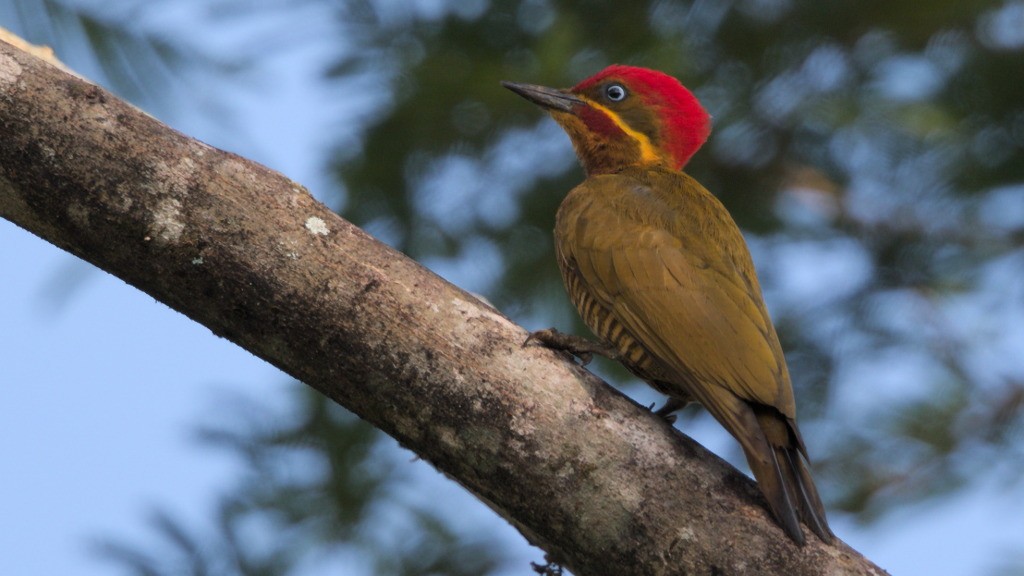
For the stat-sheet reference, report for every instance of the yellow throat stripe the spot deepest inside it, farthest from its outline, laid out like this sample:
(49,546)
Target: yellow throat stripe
(647,152)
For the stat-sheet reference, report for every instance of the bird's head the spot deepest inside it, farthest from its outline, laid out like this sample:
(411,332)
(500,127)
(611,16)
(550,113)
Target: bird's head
(625,116)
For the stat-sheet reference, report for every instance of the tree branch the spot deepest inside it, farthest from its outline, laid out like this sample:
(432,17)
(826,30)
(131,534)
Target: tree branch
(600,483)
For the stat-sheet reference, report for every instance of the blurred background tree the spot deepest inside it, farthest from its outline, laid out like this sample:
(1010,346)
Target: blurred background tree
(872,152)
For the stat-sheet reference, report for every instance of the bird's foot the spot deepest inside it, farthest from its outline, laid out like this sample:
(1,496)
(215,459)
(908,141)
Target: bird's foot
(666,412)
(581,348)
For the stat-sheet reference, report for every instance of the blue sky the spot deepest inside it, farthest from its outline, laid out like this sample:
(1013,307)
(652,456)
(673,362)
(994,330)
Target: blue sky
(101,389)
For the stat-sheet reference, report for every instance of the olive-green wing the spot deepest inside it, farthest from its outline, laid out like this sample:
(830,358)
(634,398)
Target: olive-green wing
(693,305)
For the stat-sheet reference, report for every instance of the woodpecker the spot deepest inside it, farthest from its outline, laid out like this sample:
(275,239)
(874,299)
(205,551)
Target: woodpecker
(659,271)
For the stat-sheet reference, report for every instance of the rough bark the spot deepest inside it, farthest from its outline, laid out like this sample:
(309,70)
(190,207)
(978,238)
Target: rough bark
(600,483)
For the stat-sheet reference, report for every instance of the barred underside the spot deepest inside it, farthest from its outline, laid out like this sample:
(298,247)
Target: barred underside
(605,326)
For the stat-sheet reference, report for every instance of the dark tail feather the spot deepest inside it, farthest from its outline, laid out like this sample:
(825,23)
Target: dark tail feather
(771,480)
(803,492)
(782,475)
(812,510)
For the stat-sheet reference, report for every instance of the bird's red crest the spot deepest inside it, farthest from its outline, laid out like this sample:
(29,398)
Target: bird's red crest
(686,123)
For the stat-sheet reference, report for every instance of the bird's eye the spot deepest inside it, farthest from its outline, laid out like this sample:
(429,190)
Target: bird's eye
(615,92)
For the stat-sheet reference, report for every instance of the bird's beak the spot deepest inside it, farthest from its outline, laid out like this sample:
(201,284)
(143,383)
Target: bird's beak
(550,98)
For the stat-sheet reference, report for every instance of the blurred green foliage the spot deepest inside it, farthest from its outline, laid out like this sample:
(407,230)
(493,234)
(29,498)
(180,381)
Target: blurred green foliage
(873,152)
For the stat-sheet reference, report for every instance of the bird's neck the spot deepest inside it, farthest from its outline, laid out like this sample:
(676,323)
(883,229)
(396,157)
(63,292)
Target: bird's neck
(612,156)
(610,151)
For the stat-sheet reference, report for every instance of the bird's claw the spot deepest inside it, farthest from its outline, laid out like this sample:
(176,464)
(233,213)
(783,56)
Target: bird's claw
(581,348)
(667,412)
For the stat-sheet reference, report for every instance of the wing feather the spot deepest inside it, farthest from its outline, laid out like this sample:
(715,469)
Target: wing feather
(683,295)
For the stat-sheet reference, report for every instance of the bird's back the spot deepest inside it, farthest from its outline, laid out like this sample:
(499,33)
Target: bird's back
(657,267)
